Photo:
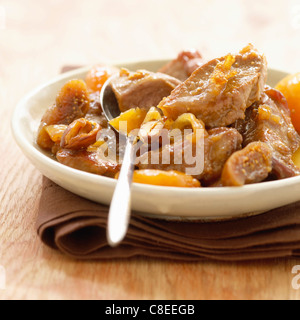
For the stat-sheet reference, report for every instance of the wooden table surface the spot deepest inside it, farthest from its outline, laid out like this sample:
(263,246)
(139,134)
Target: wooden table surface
(36,39)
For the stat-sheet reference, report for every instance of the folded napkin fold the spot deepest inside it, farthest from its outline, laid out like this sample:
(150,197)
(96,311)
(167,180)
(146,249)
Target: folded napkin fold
(77,227)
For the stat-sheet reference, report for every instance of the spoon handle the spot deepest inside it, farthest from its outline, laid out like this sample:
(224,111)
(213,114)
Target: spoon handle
(119,212)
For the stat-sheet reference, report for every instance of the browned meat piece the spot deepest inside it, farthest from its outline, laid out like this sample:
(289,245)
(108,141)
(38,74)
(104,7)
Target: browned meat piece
(269,121)
(143,89)
(249,165)
(219,145)
(72,102)
(221,90)
(184,65)
(87,161)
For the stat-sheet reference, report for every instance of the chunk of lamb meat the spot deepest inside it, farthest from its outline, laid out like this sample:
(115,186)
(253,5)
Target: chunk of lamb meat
(249,165)
(184,65)
(219,145)
(143,89)
(220,90)
(269,121)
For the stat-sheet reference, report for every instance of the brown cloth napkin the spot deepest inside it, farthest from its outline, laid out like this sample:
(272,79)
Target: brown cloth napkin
(77,227)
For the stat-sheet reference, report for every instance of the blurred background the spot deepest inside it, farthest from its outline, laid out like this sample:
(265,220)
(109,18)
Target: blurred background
(38,37)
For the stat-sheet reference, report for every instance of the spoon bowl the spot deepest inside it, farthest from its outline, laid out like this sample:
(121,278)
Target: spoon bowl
(108,100)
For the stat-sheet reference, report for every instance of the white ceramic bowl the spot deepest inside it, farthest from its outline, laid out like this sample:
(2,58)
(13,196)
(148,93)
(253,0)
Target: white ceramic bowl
(161,202)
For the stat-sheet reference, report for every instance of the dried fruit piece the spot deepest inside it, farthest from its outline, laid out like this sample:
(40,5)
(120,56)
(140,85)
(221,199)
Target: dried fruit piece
(129,120)
(72,102)
(170,178)
(56,132)
(51,135)
(80,134)
(290,87)
(296,158)
(249,165)
(97,76)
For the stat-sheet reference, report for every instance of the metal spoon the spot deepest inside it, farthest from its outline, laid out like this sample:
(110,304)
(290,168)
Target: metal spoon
(120,207)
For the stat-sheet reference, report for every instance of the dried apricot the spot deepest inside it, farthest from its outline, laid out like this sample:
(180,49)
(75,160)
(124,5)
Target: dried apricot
(129,120)
(97,76)
(170,178)
(55,132)
(290,87)
(296,158)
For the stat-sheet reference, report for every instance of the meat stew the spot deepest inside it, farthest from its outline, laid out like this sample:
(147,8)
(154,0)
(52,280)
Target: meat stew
(241,126)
